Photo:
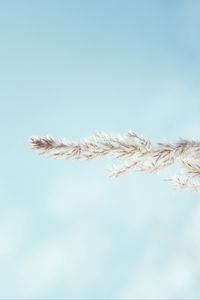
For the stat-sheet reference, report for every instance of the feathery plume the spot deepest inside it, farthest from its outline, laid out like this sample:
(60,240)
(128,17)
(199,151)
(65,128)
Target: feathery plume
(138,152)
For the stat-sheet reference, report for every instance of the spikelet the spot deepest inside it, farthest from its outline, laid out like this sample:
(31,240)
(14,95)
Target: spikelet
(138,152)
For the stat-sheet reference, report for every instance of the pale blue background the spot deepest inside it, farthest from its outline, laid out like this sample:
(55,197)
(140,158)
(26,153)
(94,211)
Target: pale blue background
(68,68)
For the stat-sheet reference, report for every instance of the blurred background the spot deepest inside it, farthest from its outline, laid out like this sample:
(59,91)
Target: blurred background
(68,68)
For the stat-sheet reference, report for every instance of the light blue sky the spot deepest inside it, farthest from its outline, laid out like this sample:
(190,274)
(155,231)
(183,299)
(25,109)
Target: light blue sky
(68,68)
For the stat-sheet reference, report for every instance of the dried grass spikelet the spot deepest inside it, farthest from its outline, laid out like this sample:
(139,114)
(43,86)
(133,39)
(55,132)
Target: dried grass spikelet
(138,152)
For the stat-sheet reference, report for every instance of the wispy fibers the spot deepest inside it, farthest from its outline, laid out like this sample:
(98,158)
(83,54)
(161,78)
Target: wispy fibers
(136,152)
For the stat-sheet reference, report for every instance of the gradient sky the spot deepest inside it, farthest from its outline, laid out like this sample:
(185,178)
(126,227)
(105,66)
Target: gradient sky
(68,68)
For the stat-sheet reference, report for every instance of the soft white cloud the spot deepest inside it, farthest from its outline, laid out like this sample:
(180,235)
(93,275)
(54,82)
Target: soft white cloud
(12,233)
(42,266)
(180,274)
(70,260)
(76,196)
(175,280)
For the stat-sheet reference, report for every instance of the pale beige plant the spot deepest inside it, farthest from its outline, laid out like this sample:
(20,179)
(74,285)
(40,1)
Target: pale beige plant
(138,152)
